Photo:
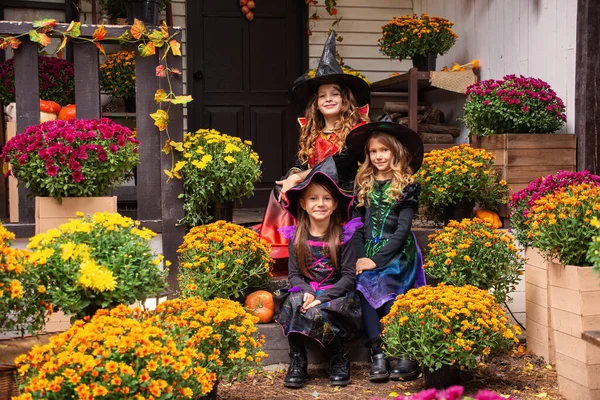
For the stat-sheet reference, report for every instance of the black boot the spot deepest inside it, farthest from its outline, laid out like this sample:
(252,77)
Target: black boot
(379,364)
(339,364)
(298,371)
(405,369)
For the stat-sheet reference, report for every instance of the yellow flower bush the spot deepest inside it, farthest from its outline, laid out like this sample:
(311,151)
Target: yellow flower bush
(472,252)
(177,351)
(215,167)
(410,35)
(560,222)
(459,173)
(593,254)
(117,75)
(22,296)
(222,259)
(447,325)
(97,262)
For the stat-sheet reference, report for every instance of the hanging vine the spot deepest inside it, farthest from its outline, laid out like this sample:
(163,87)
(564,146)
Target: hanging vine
(331,8)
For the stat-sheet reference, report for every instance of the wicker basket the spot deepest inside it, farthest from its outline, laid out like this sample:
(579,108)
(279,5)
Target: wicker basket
(8,384)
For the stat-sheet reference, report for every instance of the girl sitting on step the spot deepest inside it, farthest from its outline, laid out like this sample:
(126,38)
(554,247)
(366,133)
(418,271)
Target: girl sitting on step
(389,261)
(321,303)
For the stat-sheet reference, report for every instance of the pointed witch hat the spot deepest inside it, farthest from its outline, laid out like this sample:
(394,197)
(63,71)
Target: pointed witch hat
(329,71)
(357,139)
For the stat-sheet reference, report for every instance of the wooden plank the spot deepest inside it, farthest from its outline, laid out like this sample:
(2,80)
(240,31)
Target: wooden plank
(592,337)
(171,205)
(148,170)
(587,91)
(413,85)
(27,94)
(526,141)
(529,173)
(542,157)
(87,80)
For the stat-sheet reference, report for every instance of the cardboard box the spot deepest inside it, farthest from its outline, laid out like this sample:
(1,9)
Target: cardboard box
(49,213)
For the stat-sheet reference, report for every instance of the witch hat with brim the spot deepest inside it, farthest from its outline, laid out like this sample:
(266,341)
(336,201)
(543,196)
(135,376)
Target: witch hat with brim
(324,171)
(329,71)
(358,137)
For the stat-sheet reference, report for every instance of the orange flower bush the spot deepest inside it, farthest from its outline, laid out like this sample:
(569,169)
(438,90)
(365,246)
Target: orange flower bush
(22,296)
(177,351)
(447,325)
(459,173)
(472,252)
(560,225)
(222,259)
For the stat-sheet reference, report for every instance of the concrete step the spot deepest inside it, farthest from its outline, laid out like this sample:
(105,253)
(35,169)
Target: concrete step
(276,346)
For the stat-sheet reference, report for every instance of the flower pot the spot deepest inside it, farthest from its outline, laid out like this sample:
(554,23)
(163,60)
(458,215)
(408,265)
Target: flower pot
(222,211)
(425,62)
(442,378)
(144,10)
(458,211)
(49,213)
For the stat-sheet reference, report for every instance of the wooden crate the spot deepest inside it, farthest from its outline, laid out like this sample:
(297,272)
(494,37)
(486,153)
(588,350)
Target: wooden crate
(50,214)
(522,158)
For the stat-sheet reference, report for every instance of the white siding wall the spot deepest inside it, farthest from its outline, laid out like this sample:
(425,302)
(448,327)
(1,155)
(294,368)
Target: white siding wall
(178,8)
(529,37)
(360,29)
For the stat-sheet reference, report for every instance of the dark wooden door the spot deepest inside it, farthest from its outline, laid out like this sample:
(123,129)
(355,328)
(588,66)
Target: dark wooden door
(240,74)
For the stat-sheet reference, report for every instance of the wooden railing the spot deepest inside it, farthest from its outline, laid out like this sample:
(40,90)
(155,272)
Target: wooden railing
(158,207)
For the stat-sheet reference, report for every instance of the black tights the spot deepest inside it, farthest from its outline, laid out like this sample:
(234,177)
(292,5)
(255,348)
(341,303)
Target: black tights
(371,316)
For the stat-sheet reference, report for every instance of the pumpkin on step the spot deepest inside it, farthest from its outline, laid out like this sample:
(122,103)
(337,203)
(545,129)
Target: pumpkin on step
(67,112)
(260,303)
(489,217)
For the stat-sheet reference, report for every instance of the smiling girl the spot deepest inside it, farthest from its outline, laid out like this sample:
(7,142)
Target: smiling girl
(389,261)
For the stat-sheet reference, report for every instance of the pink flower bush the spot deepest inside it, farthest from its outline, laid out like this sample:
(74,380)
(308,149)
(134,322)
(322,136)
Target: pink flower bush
(514,104)
(56,80)
(451,393)
(75,158)
(521,202)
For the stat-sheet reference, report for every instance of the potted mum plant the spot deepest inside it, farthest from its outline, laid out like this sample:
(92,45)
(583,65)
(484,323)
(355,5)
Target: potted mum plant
(222,258)
(61,162)
(217,169)
(446,328)
(420,37)
(95,262)
(456,178)
(22,295)
(561,227)
(516,117)
(163,354)
(117,77)
(472,252)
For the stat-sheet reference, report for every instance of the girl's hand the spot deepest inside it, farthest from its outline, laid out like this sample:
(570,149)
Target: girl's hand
(307,300)
(288,183)
(312,304)
(364,264)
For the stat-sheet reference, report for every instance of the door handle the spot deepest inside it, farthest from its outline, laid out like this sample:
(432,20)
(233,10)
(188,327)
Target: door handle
(198,75)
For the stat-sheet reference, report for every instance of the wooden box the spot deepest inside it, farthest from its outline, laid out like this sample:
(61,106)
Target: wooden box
(522,157)
(49,213)
(575,307)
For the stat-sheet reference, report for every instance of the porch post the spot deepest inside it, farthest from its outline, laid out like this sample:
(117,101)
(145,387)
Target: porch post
(587,86)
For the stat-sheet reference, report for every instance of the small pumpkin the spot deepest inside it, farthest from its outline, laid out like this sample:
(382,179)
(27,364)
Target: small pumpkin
(67,112)
(49,106)
(260,303)
(490,217)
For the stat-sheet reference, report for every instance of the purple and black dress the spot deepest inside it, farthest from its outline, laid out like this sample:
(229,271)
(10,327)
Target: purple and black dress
(387,240)
(339,313)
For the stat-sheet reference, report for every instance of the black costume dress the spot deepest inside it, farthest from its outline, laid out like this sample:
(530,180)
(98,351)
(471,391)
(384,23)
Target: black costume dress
(339,313)
(388,241)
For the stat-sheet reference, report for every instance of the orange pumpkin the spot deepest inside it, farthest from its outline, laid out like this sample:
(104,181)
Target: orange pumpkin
(260,303)
(490,217)
(67,112)
(49,106)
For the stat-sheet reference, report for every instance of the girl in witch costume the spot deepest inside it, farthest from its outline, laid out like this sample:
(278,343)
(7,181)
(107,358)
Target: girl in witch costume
(331,99)
(389,260)
(321,303)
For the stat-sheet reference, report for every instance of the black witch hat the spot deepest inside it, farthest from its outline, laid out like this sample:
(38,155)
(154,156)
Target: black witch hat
(358,137)
(329,71)
(324,171)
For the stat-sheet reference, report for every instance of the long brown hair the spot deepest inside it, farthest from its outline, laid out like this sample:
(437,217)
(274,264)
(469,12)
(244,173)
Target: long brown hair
(334,231)
(403,174)
(315,123)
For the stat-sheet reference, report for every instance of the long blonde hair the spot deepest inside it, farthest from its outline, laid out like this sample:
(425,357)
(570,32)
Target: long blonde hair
(315,123)
(402,173)
(332,237)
